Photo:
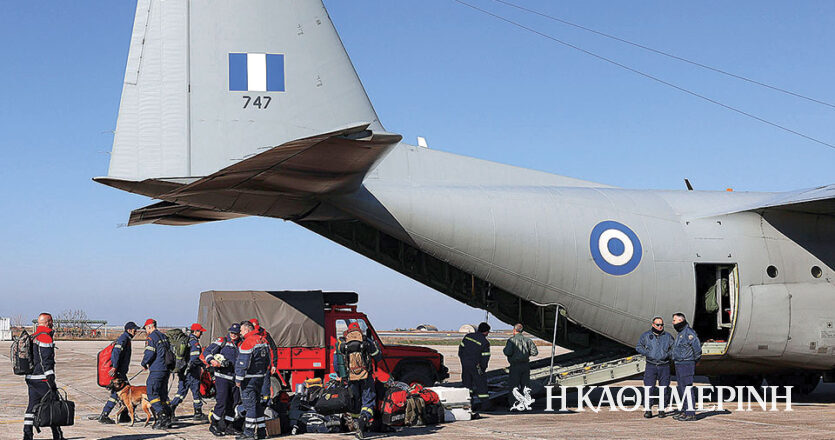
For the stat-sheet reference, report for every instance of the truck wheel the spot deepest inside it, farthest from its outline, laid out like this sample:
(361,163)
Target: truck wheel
(419,375)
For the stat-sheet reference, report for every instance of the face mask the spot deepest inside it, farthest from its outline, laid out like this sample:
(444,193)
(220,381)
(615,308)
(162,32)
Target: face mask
(680,326)
(657,331)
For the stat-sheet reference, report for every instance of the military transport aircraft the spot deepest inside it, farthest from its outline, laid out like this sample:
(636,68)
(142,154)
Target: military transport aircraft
(253,108)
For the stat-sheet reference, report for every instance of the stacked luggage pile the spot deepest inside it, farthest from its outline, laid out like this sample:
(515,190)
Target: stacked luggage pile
(326,408)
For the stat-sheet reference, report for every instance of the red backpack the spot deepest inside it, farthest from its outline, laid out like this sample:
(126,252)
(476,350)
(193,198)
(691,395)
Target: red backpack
(393,407)
(207,385)
(428,396)
(103,365)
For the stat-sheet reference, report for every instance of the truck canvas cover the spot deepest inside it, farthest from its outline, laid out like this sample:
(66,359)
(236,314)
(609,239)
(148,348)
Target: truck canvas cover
(293,318)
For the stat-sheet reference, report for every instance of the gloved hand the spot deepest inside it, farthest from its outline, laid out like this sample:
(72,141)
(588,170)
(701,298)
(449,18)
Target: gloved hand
(51,381)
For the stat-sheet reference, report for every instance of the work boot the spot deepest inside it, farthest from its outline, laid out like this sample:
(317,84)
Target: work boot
(661,414)
(647,414)
(157,419)
(261,433)
(687,419)
(361,422)
(57,434)
(246,435)
(486,406)
(678,416)
(216,430)
(103,419)
(231,430)
(199,416)
(28,436)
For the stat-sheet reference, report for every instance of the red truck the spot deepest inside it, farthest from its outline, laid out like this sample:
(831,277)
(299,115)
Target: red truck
(305,326)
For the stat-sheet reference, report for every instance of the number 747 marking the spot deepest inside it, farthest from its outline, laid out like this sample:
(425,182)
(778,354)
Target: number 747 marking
(258,101)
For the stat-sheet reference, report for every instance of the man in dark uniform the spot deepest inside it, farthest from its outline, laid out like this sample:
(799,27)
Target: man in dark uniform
(42,379)
(153,360)
(687,350)
(474,352)
(657,346)
(518,350)
(221,355)
(120,359)
(190,381)
(266,390)
(251,368)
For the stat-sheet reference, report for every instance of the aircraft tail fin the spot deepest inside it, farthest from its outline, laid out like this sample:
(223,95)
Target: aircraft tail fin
(208,84)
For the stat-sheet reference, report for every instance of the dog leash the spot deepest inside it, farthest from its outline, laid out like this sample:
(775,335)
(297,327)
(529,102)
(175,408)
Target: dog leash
(137,374)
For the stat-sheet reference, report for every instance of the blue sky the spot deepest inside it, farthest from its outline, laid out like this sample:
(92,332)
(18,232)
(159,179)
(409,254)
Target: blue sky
(470,84)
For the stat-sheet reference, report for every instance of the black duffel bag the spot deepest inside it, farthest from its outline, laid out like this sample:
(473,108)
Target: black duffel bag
(335,399)
(54,410)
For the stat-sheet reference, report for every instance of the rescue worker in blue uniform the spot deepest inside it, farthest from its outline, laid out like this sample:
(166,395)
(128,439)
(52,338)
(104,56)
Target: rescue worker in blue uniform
(266,388)
(251,369)
(153,360)
(687,350)
(657,346)
(42,379)
(120,359)
(221,355)
(190,380)
(474,352)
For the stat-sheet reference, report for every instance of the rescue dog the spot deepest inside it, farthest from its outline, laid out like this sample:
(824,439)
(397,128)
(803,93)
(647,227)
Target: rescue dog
(131,396)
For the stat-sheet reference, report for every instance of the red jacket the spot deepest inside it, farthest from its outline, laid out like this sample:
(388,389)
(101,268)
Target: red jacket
(254,357)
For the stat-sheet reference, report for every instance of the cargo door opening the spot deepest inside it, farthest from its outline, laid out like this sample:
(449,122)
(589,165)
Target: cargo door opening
(716,304)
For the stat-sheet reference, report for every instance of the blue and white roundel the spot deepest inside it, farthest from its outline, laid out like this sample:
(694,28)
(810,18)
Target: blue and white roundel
(615,248)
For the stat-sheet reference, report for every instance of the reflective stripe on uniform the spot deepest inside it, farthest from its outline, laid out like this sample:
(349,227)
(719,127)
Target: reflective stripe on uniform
(224,376)
(471,339)
(49,373)
(154,401)
(150,347)
(35,376)
(486,353)
(117,346)
(194,353)
(43,344)
(481,396)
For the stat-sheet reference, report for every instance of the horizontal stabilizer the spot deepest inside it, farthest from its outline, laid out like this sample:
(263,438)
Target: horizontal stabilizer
(820,200)
(172,214)
(330,163)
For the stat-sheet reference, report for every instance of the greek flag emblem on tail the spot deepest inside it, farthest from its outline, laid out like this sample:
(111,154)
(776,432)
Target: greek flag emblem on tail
(256,72)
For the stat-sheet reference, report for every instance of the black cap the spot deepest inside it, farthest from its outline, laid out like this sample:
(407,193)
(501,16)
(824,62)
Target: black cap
(131,326)
(483,327)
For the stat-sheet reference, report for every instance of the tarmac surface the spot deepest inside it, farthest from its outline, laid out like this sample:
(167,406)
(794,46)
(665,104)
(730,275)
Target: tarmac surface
(812,416)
